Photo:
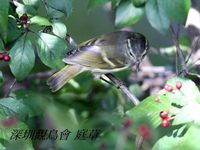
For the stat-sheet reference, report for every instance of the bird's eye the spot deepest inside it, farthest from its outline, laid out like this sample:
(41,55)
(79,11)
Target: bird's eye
(130,53)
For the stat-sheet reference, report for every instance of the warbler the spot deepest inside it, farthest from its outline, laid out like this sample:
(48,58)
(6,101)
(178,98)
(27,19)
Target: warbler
(107,53)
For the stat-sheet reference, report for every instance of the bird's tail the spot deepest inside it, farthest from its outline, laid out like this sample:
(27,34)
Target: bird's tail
(60,78)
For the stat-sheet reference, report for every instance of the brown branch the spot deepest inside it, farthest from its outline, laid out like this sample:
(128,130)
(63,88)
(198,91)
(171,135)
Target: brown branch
(119,84)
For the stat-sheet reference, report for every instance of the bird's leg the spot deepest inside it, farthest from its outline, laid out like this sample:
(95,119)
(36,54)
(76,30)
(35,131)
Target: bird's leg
(103,78)
(115,81)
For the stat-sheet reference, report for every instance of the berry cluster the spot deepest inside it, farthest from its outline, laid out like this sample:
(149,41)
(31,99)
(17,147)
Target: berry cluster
(170,88)
(165,119)
(5,57)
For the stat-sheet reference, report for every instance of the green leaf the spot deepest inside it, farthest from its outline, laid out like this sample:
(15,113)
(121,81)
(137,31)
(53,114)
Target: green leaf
(1,79)
(1,46)
(157,16)
(16,106)
(21,9)
(127,14)
(6,133)
(95,3)
(51,50)
(4,18)
(22,58)
(189,113)
(178,11)
(167,143)
(139,3)
(191,139)
(59,29)
(149,108)
(59,8)
(31,100)
(34,3)
(13,31)
(40,21)
(172,140)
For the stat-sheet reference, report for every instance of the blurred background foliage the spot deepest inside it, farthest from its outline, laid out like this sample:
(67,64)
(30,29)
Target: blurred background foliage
(36,47)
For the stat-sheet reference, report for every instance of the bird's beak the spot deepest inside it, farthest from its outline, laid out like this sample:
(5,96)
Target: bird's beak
(137,65)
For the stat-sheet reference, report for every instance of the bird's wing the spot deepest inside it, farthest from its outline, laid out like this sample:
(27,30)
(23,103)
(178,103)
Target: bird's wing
(92,56)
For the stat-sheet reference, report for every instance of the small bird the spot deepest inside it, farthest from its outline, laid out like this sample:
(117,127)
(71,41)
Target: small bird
(107,53)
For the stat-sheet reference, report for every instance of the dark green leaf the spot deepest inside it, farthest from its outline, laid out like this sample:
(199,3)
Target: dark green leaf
(33,101)
(1,79)
(40,21)
(34,3)
(127,14)
(15,106)
(150,108)
(59,8)
(115,3)
(94,3)
(157,16)
(178,11)
(139,3)
(4,18)
(59,29)
(51,50)
(13,31)
(1,46)
(22,58)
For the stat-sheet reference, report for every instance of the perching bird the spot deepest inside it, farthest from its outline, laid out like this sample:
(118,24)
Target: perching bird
(108,53)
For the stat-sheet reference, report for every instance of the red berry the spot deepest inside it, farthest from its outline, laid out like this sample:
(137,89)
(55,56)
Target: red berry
(178,84)
(168,88)
(9,121)
(6,57)
(165,122)
(24,18)
(164,114)
(144,131)
(1,56)
(127,123)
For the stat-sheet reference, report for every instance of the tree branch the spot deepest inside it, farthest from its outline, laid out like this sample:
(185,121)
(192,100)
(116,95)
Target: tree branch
(119,84)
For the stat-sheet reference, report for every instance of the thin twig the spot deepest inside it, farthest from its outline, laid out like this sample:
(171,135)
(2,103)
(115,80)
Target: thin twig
(139,141)
(175,38)
(10,88)
(119,84)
